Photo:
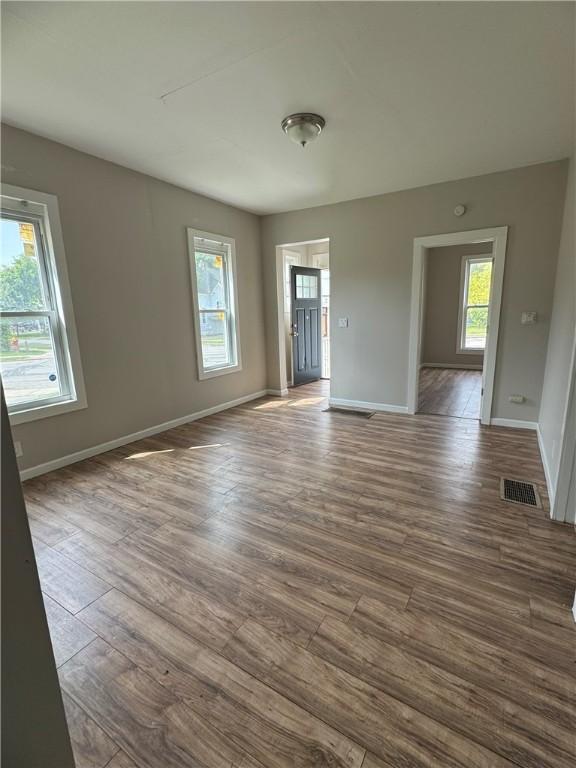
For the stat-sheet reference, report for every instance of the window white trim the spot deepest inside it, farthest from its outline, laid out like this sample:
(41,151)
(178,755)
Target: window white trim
(463,306)
(27,201)
(229,244)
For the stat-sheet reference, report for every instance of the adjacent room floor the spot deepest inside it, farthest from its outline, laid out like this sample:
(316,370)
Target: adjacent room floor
(278,585)
(450,392)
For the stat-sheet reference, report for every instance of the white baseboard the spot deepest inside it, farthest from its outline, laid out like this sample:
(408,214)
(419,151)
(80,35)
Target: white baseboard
(514,423)
(547,473)
(463,366)
(277,392)
(363,405)
(72,458)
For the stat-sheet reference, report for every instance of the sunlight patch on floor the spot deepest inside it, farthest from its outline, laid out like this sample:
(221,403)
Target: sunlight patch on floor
(272,404)
(303,402)
(146,454)
(202,447)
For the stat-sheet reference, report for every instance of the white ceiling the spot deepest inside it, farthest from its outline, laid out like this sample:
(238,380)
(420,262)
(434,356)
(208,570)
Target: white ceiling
(193,93)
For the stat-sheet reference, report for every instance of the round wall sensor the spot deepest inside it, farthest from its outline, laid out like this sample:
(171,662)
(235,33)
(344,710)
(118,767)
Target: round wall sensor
(460,210)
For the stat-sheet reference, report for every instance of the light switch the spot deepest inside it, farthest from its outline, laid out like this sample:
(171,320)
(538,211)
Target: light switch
(529,318)
(342,322)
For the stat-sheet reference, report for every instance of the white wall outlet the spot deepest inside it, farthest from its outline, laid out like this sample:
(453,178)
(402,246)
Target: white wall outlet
(529,318)
(342,322)
(519,399)
(18,448)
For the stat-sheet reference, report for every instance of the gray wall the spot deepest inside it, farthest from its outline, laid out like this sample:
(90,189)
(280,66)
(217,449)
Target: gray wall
(34,730)
(561,341)
(371,242)
(440,333)
(125,240)
(128,265)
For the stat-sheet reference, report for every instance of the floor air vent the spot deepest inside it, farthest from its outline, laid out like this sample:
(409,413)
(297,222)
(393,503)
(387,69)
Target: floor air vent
(519,492)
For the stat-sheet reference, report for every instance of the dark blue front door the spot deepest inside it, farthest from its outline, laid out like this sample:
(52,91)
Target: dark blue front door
(306,324)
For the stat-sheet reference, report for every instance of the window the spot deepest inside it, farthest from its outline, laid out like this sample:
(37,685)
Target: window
(212,264)
(306,287)
(39,359)
(476,285)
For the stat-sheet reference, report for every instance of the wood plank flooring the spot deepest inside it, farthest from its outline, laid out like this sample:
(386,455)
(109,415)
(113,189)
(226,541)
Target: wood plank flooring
(450,392)
(280,586)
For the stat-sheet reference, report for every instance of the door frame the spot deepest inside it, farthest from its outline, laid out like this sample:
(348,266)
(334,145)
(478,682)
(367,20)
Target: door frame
(559,503)
(498,236)
(280,308)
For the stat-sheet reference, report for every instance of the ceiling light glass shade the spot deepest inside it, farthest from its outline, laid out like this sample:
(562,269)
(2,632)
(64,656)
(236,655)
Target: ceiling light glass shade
(304,127)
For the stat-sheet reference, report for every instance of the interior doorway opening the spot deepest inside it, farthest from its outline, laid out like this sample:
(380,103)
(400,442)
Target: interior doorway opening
(477,311)
(305,302)
(456,300)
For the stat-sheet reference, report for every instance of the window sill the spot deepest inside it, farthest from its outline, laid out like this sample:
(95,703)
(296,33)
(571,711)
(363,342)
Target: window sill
(45,411)
(479,352)
(210,373)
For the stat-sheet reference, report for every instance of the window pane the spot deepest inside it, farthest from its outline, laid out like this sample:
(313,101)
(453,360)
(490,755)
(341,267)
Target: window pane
(476,325)
(20,283)
(306,287)
(211,279)
(27,360)
(215,343)
(479,276)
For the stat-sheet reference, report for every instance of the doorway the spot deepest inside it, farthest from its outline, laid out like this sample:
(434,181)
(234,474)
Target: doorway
(456,296)
(456,300)
(305,300)
(563,495)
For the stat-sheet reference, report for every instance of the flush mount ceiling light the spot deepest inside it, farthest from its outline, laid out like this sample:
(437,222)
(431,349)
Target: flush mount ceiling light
(303,127)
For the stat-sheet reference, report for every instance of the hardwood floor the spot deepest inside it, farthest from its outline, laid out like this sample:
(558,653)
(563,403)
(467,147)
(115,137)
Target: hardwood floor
(450,392)
(277,585)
